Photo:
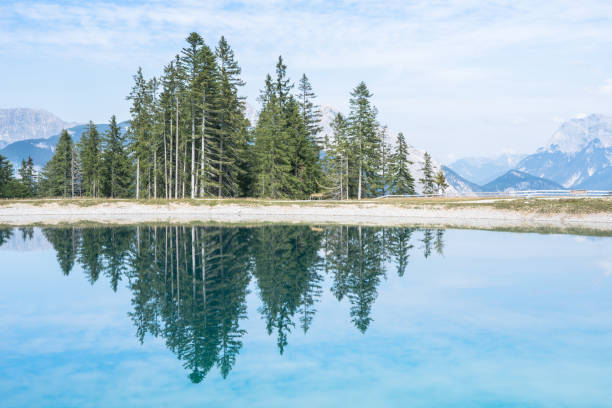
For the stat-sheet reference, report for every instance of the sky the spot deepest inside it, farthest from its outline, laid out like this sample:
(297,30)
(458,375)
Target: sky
(459,78)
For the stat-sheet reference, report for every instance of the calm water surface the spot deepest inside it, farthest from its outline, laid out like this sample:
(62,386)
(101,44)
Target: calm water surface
(299,316)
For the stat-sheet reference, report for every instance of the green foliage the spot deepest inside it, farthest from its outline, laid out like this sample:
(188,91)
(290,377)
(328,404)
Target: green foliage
(116,164)
(440,181)
(336,160)
(189,137)
(59,174)
(27,178)
(428,180)
(90,147)
(6,178)
(189,284)
(366,143)
(286,154)
(401,181)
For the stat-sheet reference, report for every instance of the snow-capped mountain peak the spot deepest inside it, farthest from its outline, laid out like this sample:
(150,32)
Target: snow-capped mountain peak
(18,124)
(573,135)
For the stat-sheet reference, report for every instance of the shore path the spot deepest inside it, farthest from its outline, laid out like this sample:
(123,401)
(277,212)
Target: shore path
(54,213)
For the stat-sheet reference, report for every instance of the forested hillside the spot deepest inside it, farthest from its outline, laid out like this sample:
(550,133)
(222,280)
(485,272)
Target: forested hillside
(189,137)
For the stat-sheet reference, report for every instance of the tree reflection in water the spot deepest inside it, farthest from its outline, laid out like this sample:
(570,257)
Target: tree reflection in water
(189,284)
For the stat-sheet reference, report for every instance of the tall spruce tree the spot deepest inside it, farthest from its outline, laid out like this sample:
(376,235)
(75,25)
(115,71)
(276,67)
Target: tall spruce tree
(440,181)
(401,181)
(428,181)
(271,150)
(90,147)
(365,141)
(6,178)
(385,161)
(27,176)
(116,163)
(336,159)
(59,172)
(192,62)
(311,113)
(140,127)
(232,143)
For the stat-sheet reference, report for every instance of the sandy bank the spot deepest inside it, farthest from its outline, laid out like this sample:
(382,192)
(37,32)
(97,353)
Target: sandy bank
(367,214)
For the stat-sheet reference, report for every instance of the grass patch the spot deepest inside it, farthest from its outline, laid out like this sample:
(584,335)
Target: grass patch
(533,205)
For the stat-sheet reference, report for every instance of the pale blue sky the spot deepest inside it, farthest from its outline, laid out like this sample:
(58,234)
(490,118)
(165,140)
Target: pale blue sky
(459,77)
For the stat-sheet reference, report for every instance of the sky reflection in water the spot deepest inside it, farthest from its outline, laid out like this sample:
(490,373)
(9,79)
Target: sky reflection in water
(304,316)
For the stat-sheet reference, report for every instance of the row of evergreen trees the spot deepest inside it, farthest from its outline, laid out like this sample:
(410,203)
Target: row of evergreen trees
(189,137)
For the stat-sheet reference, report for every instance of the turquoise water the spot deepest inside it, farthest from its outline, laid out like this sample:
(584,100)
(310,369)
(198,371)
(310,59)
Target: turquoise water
(296,316)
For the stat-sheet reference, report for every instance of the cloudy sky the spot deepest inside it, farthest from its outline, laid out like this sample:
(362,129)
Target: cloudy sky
(459,78)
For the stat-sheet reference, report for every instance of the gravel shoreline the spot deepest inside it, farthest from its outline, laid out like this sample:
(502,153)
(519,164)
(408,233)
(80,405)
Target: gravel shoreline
(366,214)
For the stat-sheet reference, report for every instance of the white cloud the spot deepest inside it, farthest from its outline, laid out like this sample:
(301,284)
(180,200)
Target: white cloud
(484,63)
(606,87)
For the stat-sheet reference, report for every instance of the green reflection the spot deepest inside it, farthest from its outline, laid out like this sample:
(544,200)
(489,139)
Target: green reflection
(189,284)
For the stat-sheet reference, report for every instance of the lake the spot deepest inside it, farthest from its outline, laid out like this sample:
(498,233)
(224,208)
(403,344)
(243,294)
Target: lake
(303,316)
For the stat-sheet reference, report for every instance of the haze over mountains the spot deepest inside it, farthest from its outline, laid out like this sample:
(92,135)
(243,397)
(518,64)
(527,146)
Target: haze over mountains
(578,155)
(23,123)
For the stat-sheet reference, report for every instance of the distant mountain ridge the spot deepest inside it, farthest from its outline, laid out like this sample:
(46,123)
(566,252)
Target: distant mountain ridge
(459,183)
(481,170)
(515,180)
(512,180)
(18,124)
(578,155)
(41,150)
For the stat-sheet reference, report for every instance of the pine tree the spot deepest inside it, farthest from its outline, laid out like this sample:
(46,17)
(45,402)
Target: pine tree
(191,60)
(304,153)
(116,164)
(401,181)
(272,169)
(90,147)
(311,113)
(273,150)
(27,176)
(385,162)
(140,127)
(58,174)
(232,143)
(428,177)
(365,141)
(336,159)
(6,178)
(440,181)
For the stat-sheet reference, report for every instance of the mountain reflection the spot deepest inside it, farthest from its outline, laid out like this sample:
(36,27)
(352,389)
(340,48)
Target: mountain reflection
(189,284)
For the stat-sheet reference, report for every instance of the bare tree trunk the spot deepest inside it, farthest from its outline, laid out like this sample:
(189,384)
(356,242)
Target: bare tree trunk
(72,170)
(165,164)
(176,148)
(341,179)
(192,152)
(155,174)
(138,178)
(359,185)
(171,167)
(347,177)
(221,168)
(184,171)
(202,156)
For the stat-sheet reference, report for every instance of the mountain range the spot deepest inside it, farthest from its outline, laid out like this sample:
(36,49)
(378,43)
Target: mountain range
(41,149)
(23,123)
(577,156)
(481,170)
